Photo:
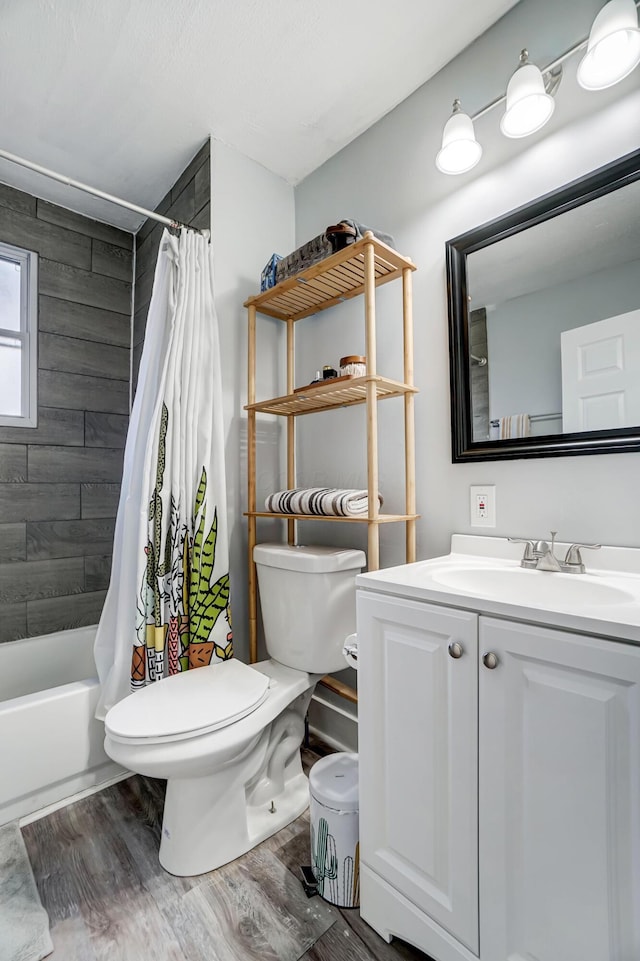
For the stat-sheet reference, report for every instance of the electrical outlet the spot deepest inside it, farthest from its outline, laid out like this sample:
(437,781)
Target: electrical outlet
(483,505)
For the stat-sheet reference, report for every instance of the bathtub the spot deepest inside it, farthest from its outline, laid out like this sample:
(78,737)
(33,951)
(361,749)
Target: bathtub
(50,742)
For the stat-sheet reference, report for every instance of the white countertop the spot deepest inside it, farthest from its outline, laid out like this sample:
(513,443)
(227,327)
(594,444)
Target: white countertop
(609,571)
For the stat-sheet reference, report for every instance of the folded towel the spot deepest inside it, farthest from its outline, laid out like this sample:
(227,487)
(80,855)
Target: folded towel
(515,425)
(328,501)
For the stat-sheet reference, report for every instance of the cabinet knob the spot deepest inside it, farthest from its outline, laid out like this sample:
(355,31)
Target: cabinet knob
(490,660)
(456,650)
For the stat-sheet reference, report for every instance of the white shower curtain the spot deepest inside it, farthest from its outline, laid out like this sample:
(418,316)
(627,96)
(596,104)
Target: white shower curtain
(167,608)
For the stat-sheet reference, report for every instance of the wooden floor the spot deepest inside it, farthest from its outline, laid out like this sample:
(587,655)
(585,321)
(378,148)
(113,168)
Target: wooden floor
(97,870)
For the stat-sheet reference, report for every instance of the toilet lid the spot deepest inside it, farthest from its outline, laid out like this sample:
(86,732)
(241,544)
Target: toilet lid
(193,702)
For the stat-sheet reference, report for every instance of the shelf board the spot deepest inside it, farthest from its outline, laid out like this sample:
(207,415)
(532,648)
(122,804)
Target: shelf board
(331,395)
(362,519)
(327,283)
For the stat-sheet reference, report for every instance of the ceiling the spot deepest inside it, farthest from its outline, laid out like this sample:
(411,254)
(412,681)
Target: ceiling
(121,94)
(598,235)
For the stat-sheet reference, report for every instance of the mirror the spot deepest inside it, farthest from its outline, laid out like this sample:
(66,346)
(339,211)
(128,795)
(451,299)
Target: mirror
(544,324)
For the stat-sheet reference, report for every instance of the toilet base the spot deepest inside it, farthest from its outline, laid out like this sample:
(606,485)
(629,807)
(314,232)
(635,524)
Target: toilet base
(195,843)
(213,819)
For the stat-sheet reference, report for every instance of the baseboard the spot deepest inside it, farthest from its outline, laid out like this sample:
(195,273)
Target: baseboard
(333,724)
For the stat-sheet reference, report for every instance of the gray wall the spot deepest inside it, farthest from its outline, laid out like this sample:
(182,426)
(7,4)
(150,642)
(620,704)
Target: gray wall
(188,202)
(524,337)
(60,482)
(387,178)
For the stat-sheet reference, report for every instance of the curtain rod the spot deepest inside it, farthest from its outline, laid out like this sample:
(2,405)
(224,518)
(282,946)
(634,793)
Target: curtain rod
(70,182)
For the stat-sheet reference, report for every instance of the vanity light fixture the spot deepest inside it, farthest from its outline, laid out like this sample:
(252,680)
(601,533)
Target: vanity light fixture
(612,52)
(613,48)
(460,150)
(529,106)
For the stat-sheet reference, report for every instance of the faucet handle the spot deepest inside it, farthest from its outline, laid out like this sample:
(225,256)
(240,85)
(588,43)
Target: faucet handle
(573,560)
(528,551)
(528,558)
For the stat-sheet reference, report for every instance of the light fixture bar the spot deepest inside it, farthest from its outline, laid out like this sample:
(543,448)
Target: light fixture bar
(550,68)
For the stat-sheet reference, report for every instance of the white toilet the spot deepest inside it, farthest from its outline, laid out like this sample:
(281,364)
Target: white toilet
(227,737)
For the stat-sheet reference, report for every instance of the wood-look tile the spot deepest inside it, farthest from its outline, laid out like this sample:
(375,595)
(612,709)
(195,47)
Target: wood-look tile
(80,464)
(13,541)
(97,869)
(77,538)
(83,357)
(13,623)
(37,502)
(202,184)
(112,260)
(79,392)
(83,225)
(13,463)
(105,430)
(83,287)
(147,250)
(63,317)
(55,243)
(140,324)
(17,200)
(97,571)
(144,287)
(149,224)
(55,426)
(99,500)
(63,613)
(202,219)
(183,204)
(31,580)
(190,171)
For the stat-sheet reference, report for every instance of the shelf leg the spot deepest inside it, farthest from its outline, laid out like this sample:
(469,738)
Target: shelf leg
(291,424)
(409,415)
(251,485)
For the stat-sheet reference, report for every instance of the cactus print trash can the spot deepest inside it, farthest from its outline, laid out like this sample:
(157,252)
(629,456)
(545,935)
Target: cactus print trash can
(335,847)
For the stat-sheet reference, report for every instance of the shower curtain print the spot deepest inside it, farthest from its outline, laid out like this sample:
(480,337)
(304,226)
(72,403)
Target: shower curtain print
(175,624)
(167,608)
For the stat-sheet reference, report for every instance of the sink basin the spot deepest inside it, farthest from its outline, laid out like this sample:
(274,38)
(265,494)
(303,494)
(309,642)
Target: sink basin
(539,588)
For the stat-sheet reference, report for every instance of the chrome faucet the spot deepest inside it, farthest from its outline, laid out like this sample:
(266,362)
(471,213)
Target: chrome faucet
(539,556)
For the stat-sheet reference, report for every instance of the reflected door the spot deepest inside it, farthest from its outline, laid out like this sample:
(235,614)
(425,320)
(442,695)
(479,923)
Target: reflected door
(600,382)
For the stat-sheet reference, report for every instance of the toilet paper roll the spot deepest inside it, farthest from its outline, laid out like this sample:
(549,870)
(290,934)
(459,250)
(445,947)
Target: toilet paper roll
(350,650)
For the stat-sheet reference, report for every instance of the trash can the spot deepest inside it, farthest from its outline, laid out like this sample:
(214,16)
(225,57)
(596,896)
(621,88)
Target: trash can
(335,847)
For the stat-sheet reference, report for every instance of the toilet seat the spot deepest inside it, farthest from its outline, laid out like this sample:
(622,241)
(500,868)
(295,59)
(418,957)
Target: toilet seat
(188,704)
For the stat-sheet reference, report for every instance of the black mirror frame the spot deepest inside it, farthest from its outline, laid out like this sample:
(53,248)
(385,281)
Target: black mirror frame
(464,448)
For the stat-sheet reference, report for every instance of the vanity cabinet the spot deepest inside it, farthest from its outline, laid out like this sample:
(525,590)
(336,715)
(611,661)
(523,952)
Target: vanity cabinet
(500,795)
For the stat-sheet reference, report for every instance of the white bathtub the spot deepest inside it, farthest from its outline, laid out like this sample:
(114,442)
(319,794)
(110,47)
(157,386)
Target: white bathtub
(50,743)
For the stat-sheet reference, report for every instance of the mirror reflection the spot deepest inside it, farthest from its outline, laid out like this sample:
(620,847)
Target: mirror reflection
(554,324)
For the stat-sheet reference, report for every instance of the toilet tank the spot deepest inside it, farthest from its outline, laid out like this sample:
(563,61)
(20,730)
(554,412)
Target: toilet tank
(308,602)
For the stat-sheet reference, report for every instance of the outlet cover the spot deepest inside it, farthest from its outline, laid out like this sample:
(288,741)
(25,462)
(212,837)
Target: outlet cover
(482,505)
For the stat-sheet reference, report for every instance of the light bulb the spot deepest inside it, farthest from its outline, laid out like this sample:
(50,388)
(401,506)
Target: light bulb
(613,50)
(529,106)
(460,150)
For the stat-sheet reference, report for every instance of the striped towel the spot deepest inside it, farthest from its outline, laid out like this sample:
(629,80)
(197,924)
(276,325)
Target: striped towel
(517,425)
(320,500)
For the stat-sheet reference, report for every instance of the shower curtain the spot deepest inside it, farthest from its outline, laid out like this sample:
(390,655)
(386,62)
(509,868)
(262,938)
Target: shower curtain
(167,607)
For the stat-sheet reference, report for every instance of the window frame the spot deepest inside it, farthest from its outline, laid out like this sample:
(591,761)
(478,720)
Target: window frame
(27,335)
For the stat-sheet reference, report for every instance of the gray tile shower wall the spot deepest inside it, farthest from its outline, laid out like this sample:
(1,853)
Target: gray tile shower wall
(60,481)
(188,201)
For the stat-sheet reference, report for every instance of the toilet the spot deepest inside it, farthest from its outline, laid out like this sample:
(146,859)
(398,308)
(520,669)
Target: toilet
(227,737)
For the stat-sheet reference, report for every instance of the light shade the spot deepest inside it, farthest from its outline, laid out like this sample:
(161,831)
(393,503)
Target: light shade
(613,50)
(529,106)
(460,150)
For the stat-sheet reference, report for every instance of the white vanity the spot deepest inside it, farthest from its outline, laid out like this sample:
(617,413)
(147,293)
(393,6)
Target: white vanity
(500,755)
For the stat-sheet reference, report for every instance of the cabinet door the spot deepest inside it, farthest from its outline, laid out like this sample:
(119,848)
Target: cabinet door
(559,796)
(417,709)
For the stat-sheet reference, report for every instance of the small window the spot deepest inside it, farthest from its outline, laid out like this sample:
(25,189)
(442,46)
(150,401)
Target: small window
(18,336)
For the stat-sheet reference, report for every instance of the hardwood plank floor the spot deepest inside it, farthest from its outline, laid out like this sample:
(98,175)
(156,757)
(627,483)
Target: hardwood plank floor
(96,866)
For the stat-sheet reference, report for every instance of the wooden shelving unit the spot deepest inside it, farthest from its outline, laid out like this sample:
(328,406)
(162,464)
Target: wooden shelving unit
(356,270)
